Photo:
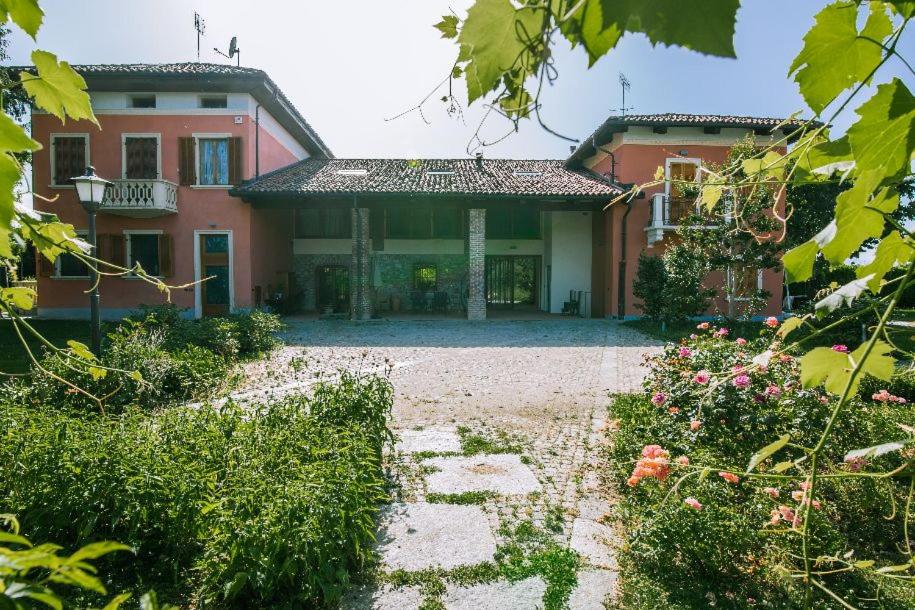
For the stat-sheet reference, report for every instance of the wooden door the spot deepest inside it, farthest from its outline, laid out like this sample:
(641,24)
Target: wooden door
(215,291)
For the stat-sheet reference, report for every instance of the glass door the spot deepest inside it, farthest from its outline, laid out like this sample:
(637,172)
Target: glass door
(512,281)
(215,295)
(332,289)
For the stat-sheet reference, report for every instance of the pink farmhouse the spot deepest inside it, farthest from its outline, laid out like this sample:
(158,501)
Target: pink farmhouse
(216,175)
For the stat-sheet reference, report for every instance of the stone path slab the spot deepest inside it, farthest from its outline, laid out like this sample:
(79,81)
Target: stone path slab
(420,536)
(503,474)
(522,595)
(383,598)
(594,586)
(594,542)
(440,440)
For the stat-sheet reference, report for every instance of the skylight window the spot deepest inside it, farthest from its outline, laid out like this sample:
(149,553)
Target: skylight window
(440,172)
(528,174)
(352,172)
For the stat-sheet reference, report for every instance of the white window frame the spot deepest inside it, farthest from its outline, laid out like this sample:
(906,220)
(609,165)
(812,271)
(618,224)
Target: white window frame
(81,234)
(125,136)
(127,234)
(685,160)
(53,137)
(198,295)
(207,136)
(728,278)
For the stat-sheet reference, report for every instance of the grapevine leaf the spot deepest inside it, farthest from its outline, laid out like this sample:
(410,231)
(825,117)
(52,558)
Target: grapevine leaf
(19,297)
(845,295)
(892,249)
(711,195)
(586,25)
(10,173)
(771,165)
(875,451)
(782,466)
(448,26)
(835,56)
(863,564)
(767,451)
(97,373)
(798,261)
(828,157)
(13,137)
(706,26)
(859,215)
(906,8)
(24,13)
(823,365)
(902,567)
(789,325)
(492,42)
(80,350)
(883,138)
(57,88)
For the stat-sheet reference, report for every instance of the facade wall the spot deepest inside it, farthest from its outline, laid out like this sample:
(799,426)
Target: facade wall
(261,239)
(570,256)
(638,155)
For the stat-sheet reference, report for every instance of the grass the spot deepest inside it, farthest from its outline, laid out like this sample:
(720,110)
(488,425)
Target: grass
(681,330)
(467,497)
(13,358)
(473,443)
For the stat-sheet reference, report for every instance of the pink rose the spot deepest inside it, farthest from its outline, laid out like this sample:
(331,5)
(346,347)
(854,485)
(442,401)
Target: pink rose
(702,326)
(771,321)
(840,348)
(741,381)
(695,425)
(693,503)
(771,492)
(659,398)
(774,391)
(729,477)
(685,352)
(673,410)
(741,341)
(683,460)
(722,332)
(702,377)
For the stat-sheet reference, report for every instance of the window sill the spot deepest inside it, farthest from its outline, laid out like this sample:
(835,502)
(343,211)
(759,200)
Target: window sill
(62,186)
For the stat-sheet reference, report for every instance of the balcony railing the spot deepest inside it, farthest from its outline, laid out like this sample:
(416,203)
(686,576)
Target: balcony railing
(668,212)
(141,198)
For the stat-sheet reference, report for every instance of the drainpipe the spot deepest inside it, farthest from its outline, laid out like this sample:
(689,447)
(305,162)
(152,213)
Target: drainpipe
(257,141)
(621,288)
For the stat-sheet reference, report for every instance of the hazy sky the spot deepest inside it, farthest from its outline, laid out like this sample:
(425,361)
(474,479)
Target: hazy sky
(349,64)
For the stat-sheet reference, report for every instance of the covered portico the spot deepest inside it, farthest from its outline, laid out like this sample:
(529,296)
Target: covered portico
(383,237)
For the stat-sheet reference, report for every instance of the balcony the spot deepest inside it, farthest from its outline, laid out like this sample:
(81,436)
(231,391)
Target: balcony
(668,212)
(141,198)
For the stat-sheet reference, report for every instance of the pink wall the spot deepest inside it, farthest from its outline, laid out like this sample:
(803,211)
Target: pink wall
(198,208)
(637,163)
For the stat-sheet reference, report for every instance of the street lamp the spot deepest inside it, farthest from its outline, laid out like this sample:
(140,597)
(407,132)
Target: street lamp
(91,192)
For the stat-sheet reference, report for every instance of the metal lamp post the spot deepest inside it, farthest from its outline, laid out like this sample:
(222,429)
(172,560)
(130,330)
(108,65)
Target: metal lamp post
(91,192)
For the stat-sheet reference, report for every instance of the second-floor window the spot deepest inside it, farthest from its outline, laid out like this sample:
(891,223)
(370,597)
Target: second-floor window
(69,157)
(681,173)
(141,157)
(327,223)
(210,160)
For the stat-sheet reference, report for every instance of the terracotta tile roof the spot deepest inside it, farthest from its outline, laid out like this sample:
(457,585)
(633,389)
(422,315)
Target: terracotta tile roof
(497,177)
(203,76)
(614,123)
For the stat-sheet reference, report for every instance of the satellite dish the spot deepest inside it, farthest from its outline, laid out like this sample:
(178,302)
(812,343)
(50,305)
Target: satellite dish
(233,46)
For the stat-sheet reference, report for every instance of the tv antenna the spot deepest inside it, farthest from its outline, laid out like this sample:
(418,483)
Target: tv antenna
(234,51)
(625,86)
(201,26)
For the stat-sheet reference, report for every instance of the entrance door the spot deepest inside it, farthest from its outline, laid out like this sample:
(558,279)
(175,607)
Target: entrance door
(332,288)
(512,281)
(215,293)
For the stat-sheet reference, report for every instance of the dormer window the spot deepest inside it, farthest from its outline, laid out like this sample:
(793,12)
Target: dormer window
(214,101)
(141,100)
(527,174)
(440,172)
(352,172)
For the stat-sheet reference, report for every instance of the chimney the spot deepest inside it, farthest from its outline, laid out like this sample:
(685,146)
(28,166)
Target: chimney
(480,161)
(572,149)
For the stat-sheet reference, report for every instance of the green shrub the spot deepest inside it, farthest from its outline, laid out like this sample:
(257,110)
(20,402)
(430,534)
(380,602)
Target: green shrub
(256,331)
(649,284)
(272,507)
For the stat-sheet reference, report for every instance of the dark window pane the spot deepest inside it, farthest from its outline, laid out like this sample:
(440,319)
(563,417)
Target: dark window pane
(214,101)
(69,158)
(447,223)
(425,277)
(421,223)
(526,223)
(307,223)
(498,223)
(143,101)
(144,249)
(70,266)
(141,158)
(217,287)
(216,244)
(399,223)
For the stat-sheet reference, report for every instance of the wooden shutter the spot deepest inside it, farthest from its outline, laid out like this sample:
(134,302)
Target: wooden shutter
(166,255)
(103,247)
(116,252)
(141,158)
(69,158)
(235,160)
(187,170)
(45,267)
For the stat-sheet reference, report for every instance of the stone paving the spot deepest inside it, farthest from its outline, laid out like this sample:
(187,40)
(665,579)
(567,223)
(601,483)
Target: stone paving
(539,388)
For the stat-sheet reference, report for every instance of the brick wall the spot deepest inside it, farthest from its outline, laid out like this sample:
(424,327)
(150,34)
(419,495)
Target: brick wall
(476,264)
(360,280)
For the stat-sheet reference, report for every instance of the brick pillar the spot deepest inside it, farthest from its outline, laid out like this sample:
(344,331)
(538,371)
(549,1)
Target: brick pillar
(476,264)
(360,293)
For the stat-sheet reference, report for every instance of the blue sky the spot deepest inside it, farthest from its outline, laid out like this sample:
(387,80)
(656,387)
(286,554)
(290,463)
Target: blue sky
(349,64)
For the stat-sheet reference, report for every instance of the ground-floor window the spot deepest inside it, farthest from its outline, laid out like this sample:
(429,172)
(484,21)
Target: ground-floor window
(143,250)
(332,288)
(70,266)
(425,277)
(744,281)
